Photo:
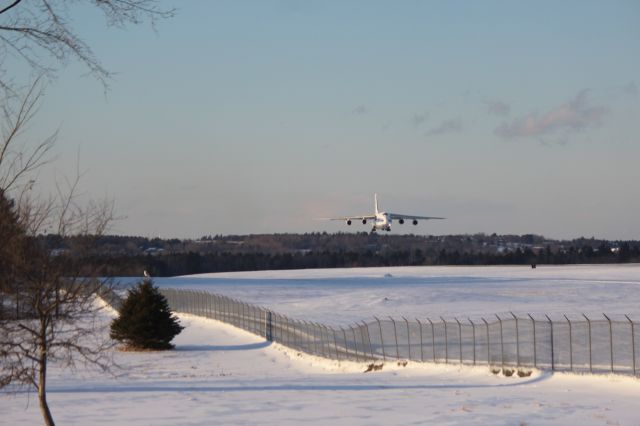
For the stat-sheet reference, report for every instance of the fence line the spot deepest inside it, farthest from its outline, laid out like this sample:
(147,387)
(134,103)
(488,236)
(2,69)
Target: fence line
(510,342)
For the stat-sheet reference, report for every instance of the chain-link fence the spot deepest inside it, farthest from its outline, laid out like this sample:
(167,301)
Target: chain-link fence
(602,345)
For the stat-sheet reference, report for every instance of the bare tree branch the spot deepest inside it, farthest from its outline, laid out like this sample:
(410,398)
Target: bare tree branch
(53,314)
(40,30)
(14,4)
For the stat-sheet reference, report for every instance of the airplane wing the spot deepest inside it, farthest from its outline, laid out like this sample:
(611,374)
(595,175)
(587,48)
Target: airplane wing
(345,218)
(410,217)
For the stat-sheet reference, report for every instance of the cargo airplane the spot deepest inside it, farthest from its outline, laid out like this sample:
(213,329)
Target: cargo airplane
(382,220)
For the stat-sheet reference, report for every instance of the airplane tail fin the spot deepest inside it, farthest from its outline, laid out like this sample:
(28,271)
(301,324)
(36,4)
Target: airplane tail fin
(375,197)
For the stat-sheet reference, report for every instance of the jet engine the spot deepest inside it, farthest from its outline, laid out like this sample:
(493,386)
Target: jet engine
(415,222)
(364,221)
(349,222)
(401,221)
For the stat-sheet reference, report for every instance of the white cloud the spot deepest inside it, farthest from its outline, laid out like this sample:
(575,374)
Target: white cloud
(573,116)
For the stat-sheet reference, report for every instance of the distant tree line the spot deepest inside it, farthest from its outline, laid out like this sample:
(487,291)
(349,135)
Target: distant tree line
(183,263)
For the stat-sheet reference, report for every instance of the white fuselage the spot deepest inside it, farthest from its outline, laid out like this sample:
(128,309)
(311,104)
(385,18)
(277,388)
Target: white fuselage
(382,222)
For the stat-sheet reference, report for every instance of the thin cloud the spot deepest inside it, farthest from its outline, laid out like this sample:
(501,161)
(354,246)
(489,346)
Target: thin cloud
(630,89)
(419,119)
(447,126)
(360,109)
(573,116)
(498,108)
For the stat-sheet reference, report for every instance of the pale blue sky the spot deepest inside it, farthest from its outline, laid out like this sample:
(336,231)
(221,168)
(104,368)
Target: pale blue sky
(256,116)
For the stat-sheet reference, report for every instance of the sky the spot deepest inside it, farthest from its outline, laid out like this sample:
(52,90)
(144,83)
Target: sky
(239,117)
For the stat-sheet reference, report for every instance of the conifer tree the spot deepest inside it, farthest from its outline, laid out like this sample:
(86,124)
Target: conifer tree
(145,320)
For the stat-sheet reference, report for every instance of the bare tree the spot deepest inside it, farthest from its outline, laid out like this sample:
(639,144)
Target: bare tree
(51,296)
(48,299)
(39,33)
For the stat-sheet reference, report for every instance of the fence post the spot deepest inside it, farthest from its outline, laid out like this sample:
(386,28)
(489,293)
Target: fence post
(288,342)
(344,335)
(408,337)
(459,337)
(304,335)
(225,309)
(446,342)
(216,307)
(384,356)
(219,308)
(335,343)
(313,345)
(291,330)
(296,337)
(488,343)
(326,345)
(633,345)
(395,335)
(517,341)
(501,343)
(355,341)
(205,303)
(268,327)
(535,359)
(365,326)
(570,343)
(421,345)
(214,311)
(553,361)
(610,339)
(473,327)
(315,339)
(245,315)
(242,316)
(254,319)
(433,339)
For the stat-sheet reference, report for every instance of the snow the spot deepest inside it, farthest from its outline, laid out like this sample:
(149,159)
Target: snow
(343,296)
(220,374)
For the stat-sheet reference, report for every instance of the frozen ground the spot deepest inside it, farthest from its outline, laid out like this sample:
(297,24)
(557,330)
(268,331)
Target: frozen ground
(221,375)
(342,296)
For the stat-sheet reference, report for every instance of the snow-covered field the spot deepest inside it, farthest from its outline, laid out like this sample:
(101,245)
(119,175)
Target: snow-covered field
(342,296)
(221,375)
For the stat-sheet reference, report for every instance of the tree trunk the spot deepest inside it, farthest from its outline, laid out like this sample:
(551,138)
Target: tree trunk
(42,384)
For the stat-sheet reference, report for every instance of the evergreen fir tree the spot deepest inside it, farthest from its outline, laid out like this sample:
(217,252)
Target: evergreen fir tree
(145,320)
